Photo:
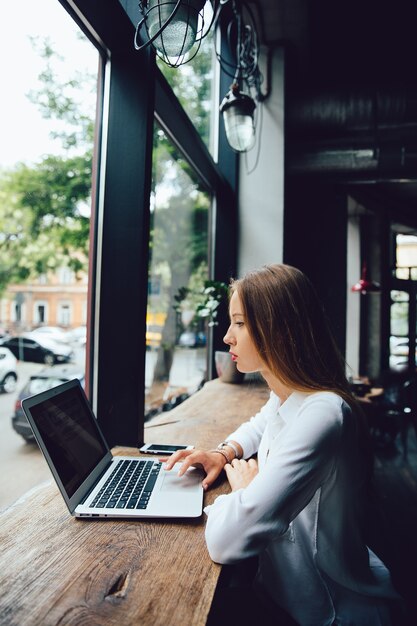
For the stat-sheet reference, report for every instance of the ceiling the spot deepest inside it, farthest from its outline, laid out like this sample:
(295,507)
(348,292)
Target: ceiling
(351,99)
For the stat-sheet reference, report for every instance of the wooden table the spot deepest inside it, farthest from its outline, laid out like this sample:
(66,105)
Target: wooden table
(55,569)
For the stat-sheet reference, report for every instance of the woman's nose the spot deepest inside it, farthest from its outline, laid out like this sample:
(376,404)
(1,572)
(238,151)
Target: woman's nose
(228,338)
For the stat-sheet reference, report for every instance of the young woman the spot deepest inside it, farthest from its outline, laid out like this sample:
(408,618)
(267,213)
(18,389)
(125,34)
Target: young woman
(298,506)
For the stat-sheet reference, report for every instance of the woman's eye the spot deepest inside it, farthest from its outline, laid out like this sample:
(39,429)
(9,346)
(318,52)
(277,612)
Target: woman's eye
(239,324)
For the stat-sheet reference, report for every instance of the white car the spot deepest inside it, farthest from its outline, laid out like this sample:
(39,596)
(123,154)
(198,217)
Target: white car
(77,335)
(51,332)
(8,374)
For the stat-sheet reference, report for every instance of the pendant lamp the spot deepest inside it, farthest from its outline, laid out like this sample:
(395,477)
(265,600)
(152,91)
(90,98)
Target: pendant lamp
(238,111)
(171,26)
(364,285)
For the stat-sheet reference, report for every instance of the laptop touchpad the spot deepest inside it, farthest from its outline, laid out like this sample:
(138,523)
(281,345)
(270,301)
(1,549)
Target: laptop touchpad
(192,479)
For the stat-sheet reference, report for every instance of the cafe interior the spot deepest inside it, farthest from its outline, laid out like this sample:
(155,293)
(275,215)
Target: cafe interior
(314,164)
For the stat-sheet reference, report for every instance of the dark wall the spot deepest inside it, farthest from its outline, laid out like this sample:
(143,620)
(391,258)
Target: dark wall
(315,223)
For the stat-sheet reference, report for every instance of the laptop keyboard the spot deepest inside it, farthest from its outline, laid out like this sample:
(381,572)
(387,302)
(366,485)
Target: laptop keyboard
(129,486)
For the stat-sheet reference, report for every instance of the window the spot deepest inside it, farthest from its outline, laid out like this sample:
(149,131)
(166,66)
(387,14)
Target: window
(176,344)
(193,84)
(406,257)
(64,314)
(40,313)
(47,121)
(18,313)
(66,276)
(121,187)
(403,310)
(132,94)
(399,313)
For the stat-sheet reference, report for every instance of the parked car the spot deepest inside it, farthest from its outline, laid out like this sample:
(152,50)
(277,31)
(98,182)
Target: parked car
(8,374)
(47,378)
(190,339)
(77,335)
(51,332)
(4,334)
(30,347)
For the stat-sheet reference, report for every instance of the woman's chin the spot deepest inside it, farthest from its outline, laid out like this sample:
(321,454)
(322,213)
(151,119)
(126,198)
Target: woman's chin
(245,370)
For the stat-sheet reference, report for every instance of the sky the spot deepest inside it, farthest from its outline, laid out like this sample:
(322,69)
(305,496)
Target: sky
(24,135)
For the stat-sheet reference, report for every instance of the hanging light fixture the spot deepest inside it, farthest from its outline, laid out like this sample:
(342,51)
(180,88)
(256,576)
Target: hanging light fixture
(238,111)
(364,285)
(175,28)
(172,27)
(238,107)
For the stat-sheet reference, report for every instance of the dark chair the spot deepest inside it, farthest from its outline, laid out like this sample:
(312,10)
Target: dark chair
(394,410)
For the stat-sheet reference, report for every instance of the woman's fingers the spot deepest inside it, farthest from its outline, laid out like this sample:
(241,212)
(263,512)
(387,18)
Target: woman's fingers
(240,473)
(210,477)
(176,457)
(191,461)
(212,463)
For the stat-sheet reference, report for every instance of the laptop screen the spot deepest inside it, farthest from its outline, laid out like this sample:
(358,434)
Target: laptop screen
(71,437)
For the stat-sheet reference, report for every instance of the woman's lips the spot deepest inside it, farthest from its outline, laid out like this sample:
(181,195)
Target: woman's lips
(234,356)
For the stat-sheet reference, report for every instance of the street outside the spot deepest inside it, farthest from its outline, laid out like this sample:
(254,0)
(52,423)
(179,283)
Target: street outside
(22,465)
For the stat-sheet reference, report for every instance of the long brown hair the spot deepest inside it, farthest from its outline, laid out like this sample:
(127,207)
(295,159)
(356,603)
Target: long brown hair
(287,324)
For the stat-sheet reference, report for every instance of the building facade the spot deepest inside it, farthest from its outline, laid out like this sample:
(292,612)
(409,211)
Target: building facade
(56,299)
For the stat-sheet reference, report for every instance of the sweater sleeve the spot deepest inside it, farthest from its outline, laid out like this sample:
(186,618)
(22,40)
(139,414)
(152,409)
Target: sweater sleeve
(243,522)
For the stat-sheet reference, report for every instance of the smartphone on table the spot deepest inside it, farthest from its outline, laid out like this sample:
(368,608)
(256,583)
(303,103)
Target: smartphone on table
(161,448)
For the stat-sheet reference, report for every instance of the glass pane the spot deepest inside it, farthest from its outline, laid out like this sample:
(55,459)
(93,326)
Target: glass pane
(399,329)
(403,273)
(399,296)
(399,319)
(176,341)
(192,83)
(406,256)
(47,117)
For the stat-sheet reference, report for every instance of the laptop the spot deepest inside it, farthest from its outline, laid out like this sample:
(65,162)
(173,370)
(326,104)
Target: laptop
(93,482)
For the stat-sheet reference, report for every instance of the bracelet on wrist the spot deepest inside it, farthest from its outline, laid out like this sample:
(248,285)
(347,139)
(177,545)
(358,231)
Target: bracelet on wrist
(223,453)
(231,445)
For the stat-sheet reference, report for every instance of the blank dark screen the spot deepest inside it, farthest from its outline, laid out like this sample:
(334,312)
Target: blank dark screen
(165,448)
(71,437)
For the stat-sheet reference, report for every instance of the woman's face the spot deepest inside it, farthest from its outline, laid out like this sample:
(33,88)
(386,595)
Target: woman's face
(242,348)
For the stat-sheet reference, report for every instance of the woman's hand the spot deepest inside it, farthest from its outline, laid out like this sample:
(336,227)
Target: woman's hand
(240,473)
(211,462)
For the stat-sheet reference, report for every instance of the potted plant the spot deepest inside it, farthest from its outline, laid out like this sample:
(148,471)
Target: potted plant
(194,304)
(201,303)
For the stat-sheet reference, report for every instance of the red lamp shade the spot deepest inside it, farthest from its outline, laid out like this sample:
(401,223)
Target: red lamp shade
(364,285)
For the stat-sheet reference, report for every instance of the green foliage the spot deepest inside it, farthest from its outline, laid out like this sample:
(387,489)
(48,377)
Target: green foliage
(43,221)
(191,84)
(203,299)
(35,238)
(64,101)
(179,219)
(179,236)
(179,222)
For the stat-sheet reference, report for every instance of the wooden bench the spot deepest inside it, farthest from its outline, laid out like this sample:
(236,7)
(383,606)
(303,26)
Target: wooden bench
(55,569)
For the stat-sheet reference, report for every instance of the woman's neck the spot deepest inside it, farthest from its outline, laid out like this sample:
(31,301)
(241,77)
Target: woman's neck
(275,385)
